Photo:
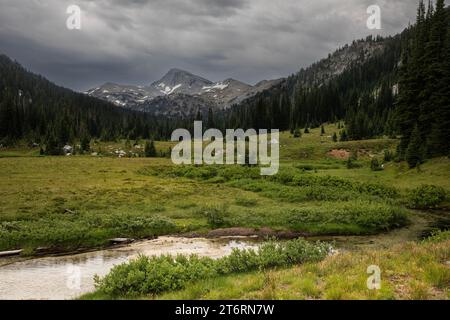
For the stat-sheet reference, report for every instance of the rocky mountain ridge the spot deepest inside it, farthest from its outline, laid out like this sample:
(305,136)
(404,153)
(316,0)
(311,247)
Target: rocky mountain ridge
(179,89)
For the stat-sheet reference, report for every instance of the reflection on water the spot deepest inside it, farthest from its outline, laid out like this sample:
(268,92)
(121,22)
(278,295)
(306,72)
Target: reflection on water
(67,277)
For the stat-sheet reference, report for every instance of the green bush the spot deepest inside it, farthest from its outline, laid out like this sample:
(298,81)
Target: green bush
(153,275)
(352,164)
(145,226)
(66,232)
(426,197)
(216,215)
(357,216)
(438,236)
(375,165)
(388,155)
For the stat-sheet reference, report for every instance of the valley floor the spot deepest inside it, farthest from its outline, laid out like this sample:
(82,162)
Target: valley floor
(81,202)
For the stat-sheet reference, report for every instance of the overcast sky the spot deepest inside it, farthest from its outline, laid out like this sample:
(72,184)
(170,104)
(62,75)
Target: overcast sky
(138,41)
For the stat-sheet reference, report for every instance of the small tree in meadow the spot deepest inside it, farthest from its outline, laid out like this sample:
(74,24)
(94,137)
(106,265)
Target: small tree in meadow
(85,143)
(53,146)
(335,138)
(150,150)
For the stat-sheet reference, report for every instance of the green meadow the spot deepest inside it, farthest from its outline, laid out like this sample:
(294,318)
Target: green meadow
(80,202)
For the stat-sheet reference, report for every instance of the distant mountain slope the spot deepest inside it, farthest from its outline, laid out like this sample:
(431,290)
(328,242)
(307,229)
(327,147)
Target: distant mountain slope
(164,97)
(357,83)
(336,63)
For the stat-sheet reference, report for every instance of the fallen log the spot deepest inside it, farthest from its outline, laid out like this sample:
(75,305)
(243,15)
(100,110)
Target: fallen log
(10,253)
(120,240)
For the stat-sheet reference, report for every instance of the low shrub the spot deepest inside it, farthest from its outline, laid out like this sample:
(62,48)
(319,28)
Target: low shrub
(438,236)
(357,216)
(388,155)
(146,226)
(352,164)
(154,275)
(66,232)
(216,215)
(375,165)
(426,197)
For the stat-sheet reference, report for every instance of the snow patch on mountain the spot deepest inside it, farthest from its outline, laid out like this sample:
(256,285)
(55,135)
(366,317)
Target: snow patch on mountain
(218,85)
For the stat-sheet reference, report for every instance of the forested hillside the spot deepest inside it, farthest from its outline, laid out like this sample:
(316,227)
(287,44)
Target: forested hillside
(34,109)
(362,93)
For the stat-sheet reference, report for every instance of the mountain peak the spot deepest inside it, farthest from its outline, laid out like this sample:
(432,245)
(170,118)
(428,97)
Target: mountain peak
(177,76)
(176,86)
(180,81)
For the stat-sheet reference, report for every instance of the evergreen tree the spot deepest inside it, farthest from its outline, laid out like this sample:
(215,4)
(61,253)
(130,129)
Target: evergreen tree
(344,136)
(436,27)
(53,146)
(150,150)
(437,108)
(211,123)
(407,106)
(85,143)
(415,153)
(335,137)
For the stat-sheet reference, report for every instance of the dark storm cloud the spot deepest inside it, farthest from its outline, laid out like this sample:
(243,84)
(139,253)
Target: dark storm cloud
(137,41)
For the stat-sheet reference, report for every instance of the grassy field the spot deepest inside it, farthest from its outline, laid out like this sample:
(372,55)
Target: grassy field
(82,201)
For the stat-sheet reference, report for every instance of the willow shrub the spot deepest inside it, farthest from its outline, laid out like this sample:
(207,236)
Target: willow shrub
(157,274)
(426,197)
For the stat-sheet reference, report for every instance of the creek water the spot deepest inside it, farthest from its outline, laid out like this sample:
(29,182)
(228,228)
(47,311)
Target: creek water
(69,276)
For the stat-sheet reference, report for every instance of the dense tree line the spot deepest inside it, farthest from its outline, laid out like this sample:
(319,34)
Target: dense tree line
(423,105)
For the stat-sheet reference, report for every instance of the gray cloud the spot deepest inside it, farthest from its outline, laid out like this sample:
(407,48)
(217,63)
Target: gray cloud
(137,41)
